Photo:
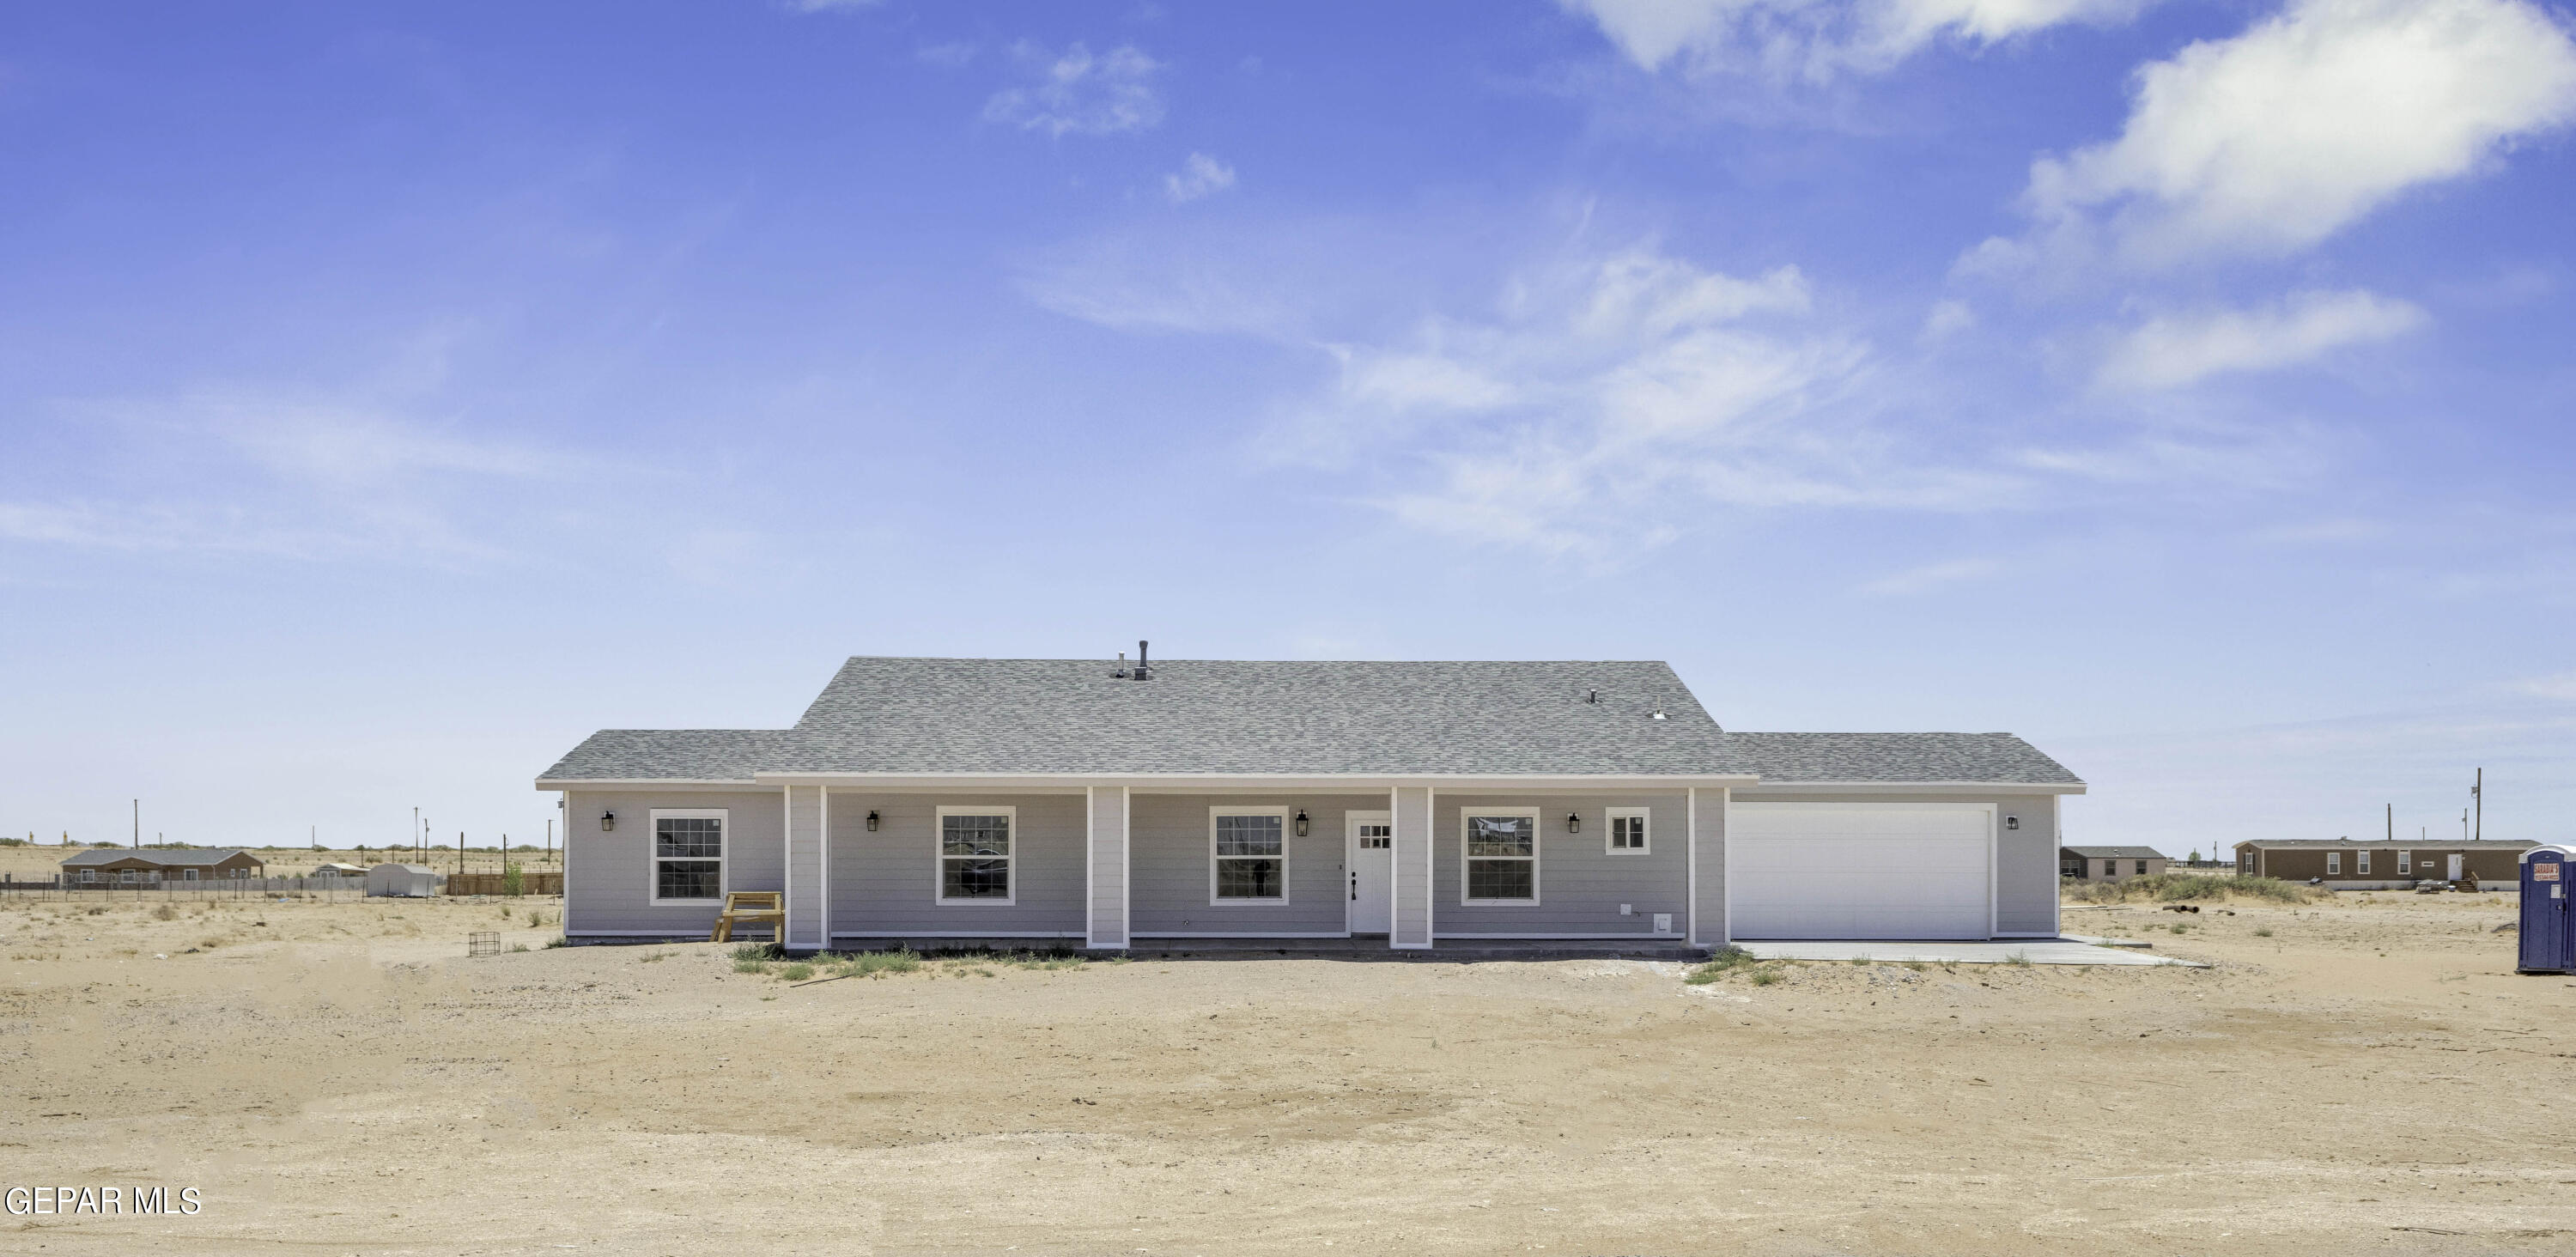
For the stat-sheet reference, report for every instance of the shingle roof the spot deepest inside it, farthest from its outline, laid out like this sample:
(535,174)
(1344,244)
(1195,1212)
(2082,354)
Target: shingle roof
(2387,844)
(904,715)
(173,857)
(1895,758)
(2117,853)
(888,715)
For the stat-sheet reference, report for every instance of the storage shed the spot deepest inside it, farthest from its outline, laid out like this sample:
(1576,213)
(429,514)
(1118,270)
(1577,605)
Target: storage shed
(406,881)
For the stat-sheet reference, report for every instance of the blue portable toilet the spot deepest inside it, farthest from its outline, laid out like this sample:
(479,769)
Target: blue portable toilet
(2548,945)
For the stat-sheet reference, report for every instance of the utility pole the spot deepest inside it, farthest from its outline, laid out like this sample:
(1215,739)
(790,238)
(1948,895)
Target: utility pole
(415,821)
(138,824)
(2392,822)
(2478,795)
(550,840)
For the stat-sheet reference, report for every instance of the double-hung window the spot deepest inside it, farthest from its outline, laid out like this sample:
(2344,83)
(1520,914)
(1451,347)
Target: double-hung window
(1499,848)
(190,875)
(1248,850)
(1627,828)
(688,855)
(2334,864)
(2361,863)
(975,854)
(2405,861)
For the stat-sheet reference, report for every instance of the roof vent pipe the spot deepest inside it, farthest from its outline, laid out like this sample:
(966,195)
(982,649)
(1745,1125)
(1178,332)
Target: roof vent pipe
(1141,673)
(1121,673)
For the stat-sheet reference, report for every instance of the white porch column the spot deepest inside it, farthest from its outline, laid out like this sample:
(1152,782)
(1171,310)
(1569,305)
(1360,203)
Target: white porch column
(1105,884)
(1708,866)
(806,929)
(1411,811)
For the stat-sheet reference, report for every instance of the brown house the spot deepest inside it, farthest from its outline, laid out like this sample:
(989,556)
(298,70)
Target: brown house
(2380,865)
(125,866)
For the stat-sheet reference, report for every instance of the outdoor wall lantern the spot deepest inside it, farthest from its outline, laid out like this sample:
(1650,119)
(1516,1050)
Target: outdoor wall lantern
(607,820)
(872,821)
(1574,822)
(1301,822)
(2012,822)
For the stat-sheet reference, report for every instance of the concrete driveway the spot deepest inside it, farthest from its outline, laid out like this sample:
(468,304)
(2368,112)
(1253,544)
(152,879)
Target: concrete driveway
(2081,950)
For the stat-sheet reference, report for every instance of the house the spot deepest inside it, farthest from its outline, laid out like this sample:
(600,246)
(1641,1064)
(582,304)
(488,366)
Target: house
(2379,864)
(402,881)
(334,868)
(127,866)
(1409,805)
(2103,864)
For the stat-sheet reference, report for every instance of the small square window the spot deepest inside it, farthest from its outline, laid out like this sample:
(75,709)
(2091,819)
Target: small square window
(1628,834)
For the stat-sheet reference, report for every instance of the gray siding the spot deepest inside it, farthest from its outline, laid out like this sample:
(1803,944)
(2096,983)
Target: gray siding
(1412,913)
(1171,865)
(2025,859)
(886,883)
(805,868)
(1580,884)
(608,875)
(1708,928)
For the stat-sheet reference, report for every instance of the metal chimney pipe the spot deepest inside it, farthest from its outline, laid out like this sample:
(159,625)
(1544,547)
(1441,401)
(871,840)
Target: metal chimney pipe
(1141,673)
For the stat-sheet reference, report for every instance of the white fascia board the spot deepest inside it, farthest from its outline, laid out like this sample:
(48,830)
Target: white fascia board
(1752,794)
(1238,783)
(649,783)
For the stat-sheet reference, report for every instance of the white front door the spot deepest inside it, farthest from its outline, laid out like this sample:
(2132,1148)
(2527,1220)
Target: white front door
(1372,875)
(2455,868)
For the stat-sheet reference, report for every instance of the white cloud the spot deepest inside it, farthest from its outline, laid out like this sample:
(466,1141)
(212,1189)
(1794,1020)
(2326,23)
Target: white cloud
(832,6)
(2561,686)
(2266,143)
(1947,319)
(1200,176)
(1608,398)
(2174,350)
(945,56)
(1816,39)
(305,477)
(1077,93)
(1931,576)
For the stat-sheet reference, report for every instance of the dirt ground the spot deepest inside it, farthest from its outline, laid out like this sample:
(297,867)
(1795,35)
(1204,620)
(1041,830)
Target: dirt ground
(2368,1077)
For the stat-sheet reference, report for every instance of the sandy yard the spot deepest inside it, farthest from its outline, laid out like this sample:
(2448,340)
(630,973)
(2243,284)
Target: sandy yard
(335,1078)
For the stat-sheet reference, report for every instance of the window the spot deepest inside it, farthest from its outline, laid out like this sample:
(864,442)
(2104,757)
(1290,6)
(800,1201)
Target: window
(975,854)
(688,856)
(1248,855)
(2334,864)
(1627,831)
(2361,863)
(2110,868)
(191,875)
(89,875)
(1500,849)
(2141,870)
(2405,861)
(1377,837)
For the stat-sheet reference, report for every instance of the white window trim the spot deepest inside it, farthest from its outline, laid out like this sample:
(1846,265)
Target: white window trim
(1287,842)
(2361,863)
(653,819)
(2405,861)
(1538,844)
(939,856)
(2334,864)
(1609,823)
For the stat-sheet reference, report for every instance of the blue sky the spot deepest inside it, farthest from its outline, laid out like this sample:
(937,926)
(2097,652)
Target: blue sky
(392,394)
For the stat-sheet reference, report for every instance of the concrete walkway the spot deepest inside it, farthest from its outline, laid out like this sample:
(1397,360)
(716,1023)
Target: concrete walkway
(2038,951)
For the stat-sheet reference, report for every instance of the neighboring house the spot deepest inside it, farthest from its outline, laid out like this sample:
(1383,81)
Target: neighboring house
(334,868)
(125,866)
(2106,864)
(2379,865)
(1422,803)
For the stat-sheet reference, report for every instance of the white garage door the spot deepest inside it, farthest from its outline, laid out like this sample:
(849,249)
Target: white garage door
(1859,870)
